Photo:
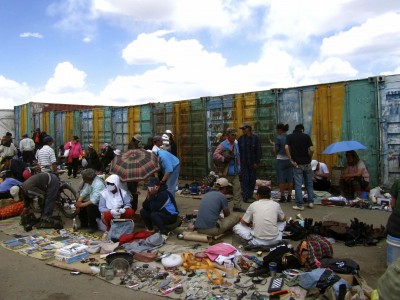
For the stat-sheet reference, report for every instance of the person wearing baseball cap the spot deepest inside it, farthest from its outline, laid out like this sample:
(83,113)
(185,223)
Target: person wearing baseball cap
(227,153)
(173,148)
(321,176)
(264,221)
(208,219)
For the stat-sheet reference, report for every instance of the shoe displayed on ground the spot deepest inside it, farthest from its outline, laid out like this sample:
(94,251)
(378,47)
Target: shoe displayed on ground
(238,209)
(310,205)
(282,200)
(298,207)
(289,198)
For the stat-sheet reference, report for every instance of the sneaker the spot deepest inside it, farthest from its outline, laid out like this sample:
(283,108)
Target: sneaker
(298,207)
(238,209)
(310,205)
(282,200)
(289,198)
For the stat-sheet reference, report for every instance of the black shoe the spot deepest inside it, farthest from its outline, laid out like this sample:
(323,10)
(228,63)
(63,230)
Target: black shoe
(289,198)
(238,209)
(282,200)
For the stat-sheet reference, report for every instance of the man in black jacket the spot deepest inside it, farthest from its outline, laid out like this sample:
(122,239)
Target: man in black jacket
(159,208)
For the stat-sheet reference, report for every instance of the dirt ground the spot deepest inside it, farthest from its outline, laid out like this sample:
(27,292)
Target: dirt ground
(28,278)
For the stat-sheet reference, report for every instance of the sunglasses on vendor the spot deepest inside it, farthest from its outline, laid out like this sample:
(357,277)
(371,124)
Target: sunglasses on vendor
(109,183)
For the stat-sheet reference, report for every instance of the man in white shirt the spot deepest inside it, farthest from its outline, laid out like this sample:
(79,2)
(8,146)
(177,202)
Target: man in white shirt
(264,220)
(158,143)
(46,157)
(27,147)
(321,176)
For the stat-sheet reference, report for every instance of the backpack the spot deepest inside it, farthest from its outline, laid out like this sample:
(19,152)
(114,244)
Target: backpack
(311,250)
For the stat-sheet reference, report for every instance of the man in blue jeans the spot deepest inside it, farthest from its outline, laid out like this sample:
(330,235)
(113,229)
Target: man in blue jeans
(299,149)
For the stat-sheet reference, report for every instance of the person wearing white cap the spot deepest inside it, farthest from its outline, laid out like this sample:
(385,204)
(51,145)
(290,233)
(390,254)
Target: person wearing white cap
(117,152)
(208,219)
(321,176)
(172,144)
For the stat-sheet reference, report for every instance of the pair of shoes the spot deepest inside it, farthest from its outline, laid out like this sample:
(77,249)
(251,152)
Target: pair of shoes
(282,200)
(238,209)
(298,207)
(310,205)
(289,198)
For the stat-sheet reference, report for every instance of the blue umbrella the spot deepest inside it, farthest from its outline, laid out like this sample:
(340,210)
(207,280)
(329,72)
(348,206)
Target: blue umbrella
(343,146)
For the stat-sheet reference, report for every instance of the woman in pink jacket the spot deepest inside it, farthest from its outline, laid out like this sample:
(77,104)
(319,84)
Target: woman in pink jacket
(75,151)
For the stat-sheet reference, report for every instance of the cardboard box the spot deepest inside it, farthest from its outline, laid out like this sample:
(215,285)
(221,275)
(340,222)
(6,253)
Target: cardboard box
(348,277)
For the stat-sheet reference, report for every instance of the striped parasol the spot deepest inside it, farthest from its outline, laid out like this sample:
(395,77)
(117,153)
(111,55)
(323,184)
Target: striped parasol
(135,165)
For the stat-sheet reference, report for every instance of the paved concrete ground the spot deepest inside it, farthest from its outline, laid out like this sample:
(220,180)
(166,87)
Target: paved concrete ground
(28,278)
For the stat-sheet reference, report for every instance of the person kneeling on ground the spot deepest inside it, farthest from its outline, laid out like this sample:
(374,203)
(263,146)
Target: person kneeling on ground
(45,186)
(263,222)
(87,204)
(8,185)
(114,202)
(208,219)
(159,208)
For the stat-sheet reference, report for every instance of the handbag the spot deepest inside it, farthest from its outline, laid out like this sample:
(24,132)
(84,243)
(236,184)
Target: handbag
(66,151)
(120,227)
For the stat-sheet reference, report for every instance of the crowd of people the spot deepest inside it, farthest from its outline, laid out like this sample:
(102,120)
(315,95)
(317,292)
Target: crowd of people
(239,157)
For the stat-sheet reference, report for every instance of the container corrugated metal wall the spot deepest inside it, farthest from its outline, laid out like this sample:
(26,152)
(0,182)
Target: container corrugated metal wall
(327,121)
(133,123)
(107,126)
(146,129)
(59,128)
(69,126)
(98,114)
(389,95)
(189,127)
(265,117)
(120,128)
(244,106)
(219,116)
(162,117)
(17,124)
(360,122)
(86,126)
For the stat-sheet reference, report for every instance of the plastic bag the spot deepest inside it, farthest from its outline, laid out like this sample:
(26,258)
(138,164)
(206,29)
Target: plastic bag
(119,228)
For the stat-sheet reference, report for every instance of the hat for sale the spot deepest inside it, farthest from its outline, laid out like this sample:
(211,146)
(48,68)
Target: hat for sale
(222,182)
(314,164)
(153,181)
(245,125)
(169,131)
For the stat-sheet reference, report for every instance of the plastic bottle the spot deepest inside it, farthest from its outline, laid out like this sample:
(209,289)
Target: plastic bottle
(74,225)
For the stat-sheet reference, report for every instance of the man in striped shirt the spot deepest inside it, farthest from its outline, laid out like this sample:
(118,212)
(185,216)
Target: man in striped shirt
(46,156)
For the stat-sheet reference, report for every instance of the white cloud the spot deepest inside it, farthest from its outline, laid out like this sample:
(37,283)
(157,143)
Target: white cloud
(66,78)
(87,40)
(12,93)
(31,34)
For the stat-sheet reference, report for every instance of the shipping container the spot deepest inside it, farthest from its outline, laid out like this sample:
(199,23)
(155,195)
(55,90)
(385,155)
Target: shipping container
(366,110)
(389,98)
(7,122)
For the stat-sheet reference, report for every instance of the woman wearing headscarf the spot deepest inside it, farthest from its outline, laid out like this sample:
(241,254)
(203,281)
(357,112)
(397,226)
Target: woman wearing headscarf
(115,202)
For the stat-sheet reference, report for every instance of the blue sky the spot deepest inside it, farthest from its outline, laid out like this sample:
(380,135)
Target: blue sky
(127,52)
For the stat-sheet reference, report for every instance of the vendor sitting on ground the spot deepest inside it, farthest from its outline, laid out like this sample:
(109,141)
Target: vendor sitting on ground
(321,181)
(159,209)
(44,185)
(115,203)
(355,177)
(264,220)
(209,220)
(9,186)
(87,204)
